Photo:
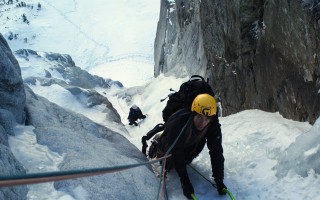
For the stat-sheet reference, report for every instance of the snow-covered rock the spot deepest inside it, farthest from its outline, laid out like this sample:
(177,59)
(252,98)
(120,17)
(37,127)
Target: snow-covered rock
(85,145)
(12,103)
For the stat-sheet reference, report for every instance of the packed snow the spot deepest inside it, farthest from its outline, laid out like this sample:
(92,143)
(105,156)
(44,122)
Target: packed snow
(266,155)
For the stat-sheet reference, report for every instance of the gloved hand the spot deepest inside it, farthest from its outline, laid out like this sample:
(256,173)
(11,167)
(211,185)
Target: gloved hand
(187,187)
(220,186)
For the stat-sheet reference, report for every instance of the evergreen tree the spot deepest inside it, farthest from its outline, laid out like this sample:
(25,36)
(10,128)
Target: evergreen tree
(10,37)
(24,18)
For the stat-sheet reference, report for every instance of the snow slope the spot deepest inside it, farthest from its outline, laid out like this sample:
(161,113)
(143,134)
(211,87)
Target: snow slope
(110,33)
(260,147)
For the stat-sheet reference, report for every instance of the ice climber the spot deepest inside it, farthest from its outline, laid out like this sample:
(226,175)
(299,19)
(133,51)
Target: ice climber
(196,127)
(134,114)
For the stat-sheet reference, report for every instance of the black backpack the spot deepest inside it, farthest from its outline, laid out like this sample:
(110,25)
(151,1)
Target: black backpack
(184,97)
(177,100)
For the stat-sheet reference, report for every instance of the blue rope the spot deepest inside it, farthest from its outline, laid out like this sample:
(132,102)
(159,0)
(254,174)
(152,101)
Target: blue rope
(13,180)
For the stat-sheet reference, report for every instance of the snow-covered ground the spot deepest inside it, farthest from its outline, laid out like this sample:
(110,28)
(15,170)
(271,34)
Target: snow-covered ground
(114,39)
(99,34)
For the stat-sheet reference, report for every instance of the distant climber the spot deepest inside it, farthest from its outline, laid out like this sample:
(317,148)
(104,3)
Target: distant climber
(135,114)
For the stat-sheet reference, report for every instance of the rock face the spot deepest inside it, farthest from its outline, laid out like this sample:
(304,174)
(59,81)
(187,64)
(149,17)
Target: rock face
(87,145)
(257,54)
(11,84)
(12,104)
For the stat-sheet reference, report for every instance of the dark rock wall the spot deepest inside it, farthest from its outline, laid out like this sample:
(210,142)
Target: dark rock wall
(12,104)
(258,54)
(289,53)
(11,85)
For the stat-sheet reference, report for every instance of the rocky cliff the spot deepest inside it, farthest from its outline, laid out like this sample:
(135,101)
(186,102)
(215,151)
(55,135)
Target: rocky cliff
(258,54)
(12,104)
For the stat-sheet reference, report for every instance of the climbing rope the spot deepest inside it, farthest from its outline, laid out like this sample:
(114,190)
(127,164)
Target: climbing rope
(167,153)
(214,185)
(164,181)
(13,180)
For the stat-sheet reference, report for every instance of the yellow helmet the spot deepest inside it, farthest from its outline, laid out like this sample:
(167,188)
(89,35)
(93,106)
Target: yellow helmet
(204,104)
